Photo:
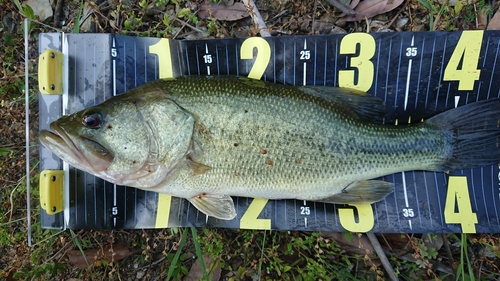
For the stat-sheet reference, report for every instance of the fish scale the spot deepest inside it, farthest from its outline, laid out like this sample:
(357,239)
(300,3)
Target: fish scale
(268,124)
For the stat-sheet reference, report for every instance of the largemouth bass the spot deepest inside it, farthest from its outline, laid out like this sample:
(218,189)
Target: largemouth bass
(209,138)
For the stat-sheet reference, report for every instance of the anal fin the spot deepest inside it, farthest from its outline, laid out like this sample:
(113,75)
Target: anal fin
(362,192)
(217,206)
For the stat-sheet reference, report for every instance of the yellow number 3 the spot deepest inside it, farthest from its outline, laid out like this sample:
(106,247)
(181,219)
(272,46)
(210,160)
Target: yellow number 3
(362,62)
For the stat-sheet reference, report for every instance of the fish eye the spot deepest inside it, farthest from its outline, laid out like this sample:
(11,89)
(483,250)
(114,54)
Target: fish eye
(92,121)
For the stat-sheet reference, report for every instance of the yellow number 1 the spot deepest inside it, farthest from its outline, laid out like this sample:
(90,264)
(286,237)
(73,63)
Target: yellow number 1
(162,50)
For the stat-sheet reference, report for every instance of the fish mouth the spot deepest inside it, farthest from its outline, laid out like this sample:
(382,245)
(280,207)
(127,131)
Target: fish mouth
(88,155)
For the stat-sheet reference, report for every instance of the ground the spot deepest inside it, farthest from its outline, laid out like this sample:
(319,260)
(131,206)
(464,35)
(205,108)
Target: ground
(228,254)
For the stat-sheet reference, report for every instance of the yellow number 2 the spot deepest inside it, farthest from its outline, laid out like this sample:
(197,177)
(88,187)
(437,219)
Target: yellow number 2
(467,51)
(262,58)
(249,219)
(458,192)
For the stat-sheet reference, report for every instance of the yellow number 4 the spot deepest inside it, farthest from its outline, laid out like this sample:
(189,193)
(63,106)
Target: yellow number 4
(458,192)
(467,51)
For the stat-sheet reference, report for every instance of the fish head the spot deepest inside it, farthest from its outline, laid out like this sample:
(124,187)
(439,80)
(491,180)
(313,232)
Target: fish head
(132,139)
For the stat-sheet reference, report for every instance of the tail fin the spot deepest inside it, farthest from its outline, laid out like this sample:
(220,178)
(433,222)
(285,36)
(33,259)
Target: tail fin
(474,133)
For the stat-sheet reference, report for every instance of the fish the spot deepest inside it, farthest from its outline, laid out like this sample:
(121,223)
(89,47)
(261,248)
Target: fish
(208,138)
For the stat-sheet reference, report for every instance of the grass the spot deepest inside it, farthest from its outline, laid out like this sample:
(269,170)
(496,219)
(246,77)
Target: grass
(169,253)
(175,266)
(446,16)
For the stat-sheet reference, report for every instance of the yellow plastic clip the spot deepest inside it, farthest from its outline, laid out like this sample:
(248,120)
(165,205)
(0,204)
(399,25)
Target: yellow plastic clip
(50,72)
(51,191)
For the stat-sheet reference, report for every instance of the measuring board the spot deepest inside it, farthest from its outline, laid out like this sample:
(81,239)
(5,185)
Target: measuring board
(417,75)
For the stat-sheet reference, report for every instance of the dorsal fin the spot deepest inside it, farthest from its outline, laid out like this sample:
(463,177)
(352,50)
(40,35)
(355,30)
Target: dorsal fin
(354,103)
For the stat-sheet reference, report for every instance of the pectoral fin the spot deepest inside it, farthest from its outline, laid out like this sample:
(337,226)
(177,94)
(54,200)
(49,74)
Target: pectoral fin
(217,206)
(362,192)
(197,168)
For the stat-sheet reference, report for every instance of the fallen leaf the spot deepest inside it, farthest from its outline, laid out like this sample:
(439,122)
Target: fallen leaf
(353,4)
(234,12)
(371,8)
(494,22)
(110,253)
(196,272)
(354,244)
(320,27)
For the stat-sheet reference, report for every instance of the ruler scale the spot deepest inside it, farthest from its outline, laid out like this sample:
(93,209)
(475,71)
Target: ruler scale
(416,74)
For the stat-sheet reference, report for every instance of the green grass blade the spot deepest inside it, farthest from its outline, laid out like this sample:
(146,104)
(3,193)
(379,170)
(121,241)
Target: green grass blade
(199,254)
(76,28)
(18,5)
(175,261)
(469,266)
(78,245)
(431,9)
(427,5)
(259,272)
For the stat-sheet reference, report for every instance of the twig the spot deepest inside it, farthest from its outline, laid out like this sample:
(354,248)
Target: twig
(43,24)
(314,15)
(257,18)
(343,8)
(188,25)
(179,31)
(397,14)
(153,263)
(382,256)
(475,12)
(57,12)
(446,245)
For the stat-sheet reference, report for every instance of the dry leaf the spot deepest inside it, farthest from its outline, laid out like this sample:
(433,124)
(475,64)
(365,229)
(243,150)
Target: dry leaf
(213,270)
(371,8)
(494,22)
(358,245)
(234,12)
(353,4)
(110,253)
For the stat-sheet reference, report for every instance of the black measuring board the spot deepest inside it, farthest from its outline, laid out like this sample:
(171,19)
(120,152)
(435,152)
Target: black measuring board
(417,75)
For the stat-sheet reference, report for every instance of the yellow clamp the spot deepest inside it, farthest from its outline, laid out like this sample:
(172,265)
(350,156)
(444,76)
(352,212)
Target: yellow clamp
(51,191)
(50,72)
